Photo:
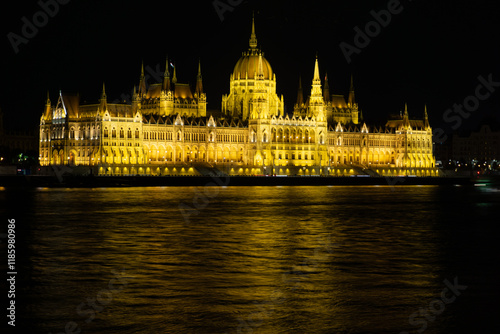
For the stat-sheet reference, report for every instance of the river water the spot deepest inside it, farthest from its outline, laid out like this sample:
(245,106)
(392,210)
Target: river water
(358,259)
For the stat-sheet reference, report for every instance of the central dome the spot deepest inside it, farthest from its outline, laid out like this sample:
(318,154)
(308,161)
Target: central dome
(248,65)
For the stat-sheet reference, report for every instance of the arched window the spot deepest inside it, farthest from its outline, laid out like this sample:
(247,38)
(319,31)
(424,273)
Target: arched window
(106,134)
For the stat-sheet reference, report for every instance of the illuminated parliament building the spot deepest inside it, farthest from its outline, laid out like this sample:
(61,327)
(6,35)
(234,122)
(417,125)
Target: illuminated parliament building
(166,130)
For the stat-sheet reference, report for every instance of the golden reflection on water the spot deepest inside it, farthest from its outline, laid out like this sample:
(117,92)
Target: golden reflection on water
(254,259)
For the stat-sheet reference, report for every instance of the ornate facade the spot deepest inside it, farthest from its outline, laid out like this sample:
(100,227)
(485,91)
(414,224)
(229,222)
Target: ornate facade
(166,130)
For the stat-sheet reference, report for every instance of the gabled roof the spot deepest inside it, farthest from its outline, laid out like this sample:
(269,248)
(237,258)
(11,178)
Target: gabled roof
(183,91)
(154,91)
(71,104)
(338,101)
(415,124)
(120,110)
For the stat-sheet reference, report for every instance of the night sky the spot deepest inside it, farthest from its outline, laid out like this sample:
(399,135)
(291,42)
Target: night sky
(432,52)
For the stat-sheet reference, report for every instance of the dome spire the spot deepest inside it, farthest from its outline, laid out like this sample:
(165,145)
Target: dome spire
(253,37)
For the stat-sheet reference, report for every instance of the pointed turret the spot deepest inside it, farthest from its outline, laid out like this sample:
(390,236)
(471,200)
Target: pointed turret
(199,82)
(351,101)
(316,102)
(48,106)
(316,83)
(142,82)
(103,100)
(166,77)
(136,101)
(134,93)
(326,90)
(316,79)
(174,77)
(406,118)
(300,94)
(426,118)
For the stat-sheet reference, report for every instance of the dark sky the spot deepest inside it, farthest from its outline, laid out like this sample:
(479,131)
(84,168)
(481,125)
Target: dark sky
(431,52)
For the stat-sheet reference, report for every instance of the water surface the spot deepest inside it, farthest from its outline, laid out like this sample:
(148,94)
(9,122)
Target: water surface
(338,259)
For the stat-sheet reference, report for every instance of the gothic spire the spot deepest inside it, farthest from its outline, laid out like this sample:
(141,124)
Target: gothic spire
(316,83)
(47,110)
(406,118)
(142,82)
(174,77)
(199,82)
(253,37)
(103,101)
(326,90)
(300,94)
(351,100)
(426,118)
(316,79)
(166,77)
